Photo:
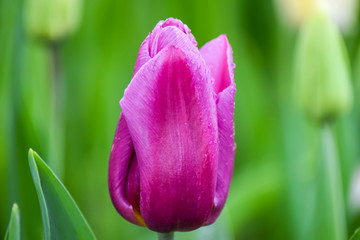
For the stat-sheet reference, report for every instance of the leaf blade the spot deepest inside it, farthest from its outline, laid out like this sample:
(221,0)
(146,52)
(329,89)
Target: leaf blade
(356,235)
(62,218)
(13,230)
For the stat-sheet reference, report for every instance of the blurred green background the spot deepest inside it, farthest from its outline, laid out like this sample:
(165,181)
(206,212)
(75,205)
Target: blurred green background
(277,147)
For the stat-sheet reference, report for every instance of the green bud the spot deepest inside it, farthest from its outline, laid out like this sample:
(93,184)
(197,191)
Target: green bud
(322,81)
(52,20)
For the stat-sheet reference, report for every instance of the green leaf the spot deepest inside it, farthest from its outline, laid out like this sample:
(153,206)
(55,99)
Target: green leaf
(356,235)
(61,216)
(13,230)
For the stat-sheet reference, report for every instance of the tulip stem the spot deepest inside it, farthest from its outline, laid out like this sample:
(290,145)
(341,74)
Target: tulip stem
(166,236)
(56,138)
(333,178)
(354,47)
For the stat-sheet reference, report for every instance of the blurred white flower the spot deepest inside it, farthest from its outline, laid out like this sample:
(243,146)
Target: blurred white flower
(342,12)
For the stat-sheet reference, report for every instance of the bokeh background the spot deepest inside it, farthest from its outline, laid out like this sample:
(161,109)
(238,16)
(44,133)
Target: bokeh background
(277,147)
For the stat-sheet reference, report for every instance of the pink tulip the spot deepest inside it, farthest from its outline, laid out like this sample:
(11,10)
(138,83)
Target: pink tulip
(172,157)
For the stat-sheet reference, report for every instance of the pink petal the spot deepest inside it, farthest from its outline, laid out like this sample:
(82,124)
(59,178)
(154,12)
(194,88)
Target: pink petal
(170,36)
(177,23)
(170,110)
(143,55)
(227,146)
(121,157)
(171,32)
(132,188)
(218,56)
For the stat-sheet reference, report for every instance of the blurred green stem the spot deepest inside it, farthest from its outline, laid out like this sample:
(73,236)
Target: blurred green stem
(56,145)
(333,179)
(166,236)
(354,48)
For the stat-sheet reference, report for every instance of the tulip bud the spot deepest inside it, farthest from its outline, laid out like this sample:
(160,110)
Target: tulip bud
(52,20)
(342,12)
(172,157)
(322,81)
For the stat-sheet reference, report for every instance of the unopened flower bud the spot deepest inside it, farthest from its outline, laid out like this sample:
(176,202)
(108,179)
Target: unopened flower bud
(173,153)
(322,81)
(52,20)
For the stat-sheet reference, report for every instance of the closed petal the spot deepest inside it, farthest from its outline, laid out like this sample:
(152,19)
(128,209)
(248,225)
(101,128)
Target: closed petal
(132,187)
(183,27)
(170,36)
(122,157)
(227,146)
(171,32)
(171,113)
(218,56)
(143,55)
